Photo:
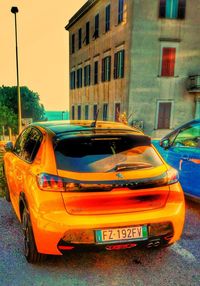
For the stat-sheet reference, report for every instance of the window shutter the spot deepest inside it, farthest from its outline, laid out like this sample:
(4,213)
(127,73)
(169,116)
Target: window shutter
(168,61)
(105,111)
(115,65)
(172,61)
(85,76)
(89,72)
(73,43)
(80,38)
(120,11)
(103,70)
(79,112)
(95,112)
(77,79)
(87,33)
(162,10)
(80,77)
(96,72)
(109,68)
(107,19)
(122,61)
(96,30)
(72,117)
(181,9)
(71,80)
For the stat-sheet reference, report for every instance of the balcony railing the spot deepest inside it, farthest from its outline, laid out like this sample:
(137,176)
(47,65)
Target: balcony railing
(194,83)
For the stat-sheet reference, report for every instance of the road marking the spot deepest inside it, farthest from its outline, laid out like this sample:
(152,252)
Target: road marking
(183,252)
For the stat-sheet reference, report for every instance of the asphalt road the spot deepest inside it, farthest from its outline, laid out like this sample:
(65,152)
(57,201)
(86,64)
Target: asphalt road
(176,265)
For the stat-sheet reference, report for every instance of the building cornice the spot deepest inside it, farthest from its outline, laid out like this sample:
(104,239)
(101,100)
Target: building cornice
(87,6)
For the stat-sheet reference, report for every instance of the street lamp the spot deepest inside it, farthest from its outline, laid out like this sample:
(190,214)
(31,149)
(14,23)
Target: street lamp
(15,10)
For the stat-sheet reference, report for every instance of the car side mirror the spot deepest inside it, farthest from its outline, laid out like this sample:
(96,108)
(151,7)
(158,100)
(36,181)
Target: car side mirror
(165,144)
(9,146)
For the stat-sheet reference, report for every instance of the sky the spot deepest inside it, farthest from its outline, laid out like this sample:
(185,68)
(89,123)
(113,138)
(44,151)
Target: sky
(43,48)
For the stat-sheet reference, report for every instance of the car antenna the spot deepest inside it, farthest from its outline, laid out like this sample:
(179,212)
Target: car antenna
(94,123)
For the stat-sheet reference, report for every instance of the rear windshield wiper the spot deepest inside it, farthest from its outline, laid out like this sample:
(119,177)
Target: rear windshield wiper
(130,166)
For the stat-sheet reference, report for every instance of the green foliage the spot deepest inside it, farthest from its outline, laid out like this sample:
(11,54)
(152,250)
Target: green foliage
(7,118)
(31,107)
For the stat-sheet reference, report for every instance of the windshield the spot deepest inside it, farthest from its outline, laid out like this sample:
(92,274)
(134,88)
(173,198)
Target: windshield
(98,154)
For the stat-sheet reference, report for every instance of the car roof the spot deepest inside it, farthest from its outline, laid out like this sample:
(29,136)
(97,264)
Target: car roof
(70,126)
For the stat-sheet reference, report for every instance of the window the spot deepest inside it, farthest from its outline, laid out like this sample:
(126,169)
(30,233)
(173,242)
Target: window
(107,19)
(119,64)
(73,113)
(105,112)
(79,112)
(164,115)
(120,11)
(72,80)
(168,61)
(32,145)
(117,111)
(188,137)
(106,68)
(172,9)
(96,26)
(73,43)
(28,144)
(86,112)
(79,78)
(19,145)
(80,38)
(96,72)
(87,35)
(97,154)
(95,110)
(87,75)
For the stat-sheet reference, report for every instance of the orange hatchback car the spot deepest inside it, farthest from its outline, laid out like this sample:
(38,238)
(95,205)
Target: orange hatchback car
(91,185)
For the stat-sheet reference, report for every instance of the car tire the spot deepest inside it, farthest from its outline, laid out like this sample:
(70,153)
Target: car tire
(30,249)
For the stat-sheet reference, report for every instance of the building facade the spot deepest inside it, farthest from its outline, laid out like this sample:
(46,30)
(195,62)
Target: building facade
(139,57)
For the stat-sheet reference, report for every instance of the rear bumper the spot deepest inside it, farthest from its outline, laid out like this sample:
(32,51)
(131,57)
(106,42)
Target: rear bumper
(50,230)
(154,240)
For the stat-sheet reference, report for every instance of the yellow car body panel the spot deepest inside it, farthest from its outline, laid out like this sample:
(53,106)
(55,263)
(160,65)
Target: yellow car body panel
(55,215)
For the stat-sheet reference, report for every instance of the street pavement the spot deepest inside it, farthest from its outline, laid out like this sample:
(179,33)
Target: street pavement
(175,265)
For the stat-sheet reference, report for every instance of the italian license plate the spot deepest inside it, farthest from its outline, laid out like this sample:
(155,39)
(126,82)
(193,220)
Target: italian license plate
(122,234)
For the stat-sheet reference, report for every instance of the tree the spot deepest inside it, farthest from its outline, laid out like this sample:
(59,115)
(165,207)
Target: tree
(31,107)
(7,118)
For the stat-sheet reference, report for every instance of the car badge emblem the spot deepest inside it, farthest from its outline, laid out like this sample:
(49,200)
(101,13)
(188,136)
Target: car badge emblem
(120,176)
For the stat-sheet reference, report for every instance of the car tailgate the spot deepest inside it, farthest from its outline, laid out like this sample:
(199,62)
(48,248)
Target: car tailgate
(103,194)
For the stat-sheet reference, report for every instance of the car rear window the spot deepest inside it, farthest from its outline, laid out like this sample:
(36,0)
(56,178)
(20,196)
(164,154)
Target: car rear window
(105,154)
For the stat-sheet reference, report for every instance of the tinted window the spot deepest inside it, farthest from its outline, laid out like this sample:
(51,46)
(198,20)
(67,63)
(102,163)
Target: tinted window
(28,144)
(188,137)
(99,154)
(19,145)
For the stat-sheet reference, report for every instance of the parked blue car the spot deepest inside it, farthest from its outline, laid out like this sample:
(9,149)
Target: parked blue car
(181,149)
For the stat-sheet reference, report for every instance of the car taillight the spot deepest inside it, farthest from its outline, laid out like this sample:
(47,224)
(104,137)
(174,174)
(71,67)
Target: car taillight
(172,176)
(47,182)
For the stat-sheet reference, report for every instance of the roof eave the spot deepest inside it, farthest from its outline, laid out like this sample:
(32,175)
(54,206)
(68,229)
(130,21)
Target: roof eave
(89,4)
